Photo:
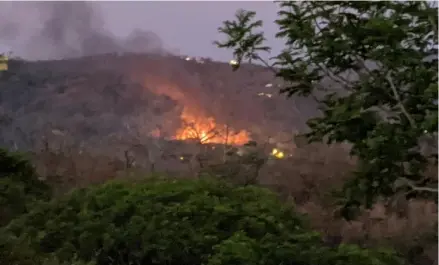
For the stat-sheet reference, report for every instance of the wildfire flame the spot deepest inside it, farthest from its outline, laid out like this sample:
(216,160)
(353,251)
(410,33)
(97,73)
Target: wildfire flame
(196,125)
(206,130)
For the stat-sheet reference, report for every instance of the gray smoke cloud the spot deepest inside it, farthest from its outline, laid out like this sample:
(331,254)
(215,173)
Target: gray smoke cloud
(54,30)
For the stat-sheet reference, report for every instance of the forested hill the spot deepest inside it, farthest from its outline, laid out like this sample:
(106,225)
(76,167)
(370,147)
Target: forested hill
(99,96)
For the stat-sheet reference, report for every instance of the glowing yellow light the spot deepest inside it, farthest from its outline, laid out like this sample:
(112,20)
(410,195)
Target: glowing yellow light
(233,62)
(3,63)
(181,158)
(278,154)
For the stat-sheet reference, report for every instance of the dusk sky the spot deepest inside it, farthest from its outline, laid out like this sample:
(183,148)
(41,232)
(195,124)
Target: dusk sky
(186,27)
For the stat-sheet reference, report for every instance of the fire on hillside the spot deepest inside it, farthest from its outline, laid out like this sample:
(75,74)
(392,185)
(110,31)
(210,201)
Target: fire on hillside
(196,124)
(206,130)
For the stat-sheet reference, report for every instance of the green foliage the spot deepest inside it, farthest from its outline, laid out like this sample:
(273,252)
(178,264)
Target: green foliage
(373,68)
(247,43)
(19,186)
(184,222)
(14,251)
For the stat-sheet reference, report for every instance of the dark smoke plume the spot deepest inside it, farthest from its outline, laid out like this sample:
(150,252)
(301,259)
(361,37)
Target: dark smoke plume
(69,29)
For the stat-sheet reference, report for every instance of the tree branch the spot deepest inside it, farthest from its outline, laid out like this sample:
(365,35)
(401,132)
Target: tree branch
(410,183)
(398,99)
(257,57)
(338,79)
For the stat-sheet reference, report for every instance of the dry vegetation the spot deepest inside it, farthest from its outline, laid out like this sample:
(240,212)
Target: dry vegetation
(306,178)
(104,102)
(87,120)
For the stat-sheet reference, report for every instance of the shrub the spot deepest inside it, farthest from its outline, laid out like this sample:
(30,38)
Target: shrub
(20,186)
(16,252)
(184,222)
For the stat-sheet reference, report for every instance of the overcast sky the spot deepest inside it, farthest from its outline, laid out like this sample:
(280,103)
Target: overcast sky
(186,27)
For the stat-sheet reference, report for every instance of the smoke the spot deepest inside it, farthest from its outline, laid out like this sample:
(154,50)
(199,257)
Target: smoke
(67,29)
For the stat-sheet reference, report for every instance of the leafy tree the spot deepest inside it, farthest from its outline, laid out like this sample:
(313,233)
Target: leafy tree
(20,186)
(372,67)
(184,222)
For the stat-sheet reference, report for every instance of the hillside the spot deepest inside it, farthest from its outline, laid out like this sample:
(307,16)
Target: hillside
(140,95)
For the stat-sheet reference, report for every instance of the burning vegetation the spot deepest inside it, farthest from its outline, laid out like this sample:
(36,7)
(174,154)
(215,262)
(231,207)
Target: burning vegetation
(144,99)
(206,130)
(196,124)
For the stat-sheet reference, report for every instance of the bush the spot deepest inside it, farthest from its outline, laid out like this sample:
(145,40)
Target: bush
(20,186)
(184,222)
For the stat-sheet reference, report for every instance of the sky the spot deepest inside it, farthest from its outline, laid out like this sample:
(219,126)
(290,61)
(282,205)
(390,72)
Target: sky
(187,28)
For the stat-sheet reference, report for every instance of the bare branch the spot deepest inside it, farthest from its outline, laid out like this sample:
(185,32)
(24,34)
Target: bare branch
(410,183)
(398,99)
(257,57)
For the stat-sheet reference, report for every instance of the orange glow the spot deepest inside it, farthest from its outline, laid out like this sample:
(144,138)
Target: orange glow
(195,124)
(206,130)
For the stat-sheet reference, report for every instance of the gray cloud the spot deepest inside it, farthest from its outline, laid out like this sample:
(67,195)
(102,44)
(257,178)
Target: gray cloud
(57,29)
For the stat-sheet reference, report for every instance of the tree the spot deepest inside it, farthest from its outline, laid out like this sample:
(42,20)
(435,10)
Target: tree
(372,67)
(20,186)
(176,222)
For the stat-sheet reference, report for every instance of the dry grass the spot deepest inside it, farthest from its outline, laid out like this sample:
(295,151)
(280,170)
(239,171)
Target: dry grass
(307,178)
(315,170)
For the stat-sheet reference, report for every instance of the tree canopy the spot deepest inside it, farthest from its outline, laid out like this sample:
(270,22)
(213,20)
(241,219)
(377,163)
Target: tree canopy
(373,68)
(184,222)
(20,186)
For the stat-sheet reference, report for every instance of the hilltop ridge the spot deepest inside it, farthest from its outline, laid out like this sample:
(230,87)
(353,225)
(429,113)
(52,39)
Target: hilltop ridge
(98,96)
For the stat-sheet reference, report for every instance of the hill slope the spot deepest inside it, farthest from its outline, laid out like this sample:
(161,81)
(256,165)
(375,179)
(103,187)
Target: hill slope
(100,96)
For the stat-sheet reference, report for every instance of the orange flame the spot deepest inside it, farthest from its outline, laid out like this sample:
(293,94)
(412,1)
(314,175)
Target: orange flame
(196,125)
(205,130)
